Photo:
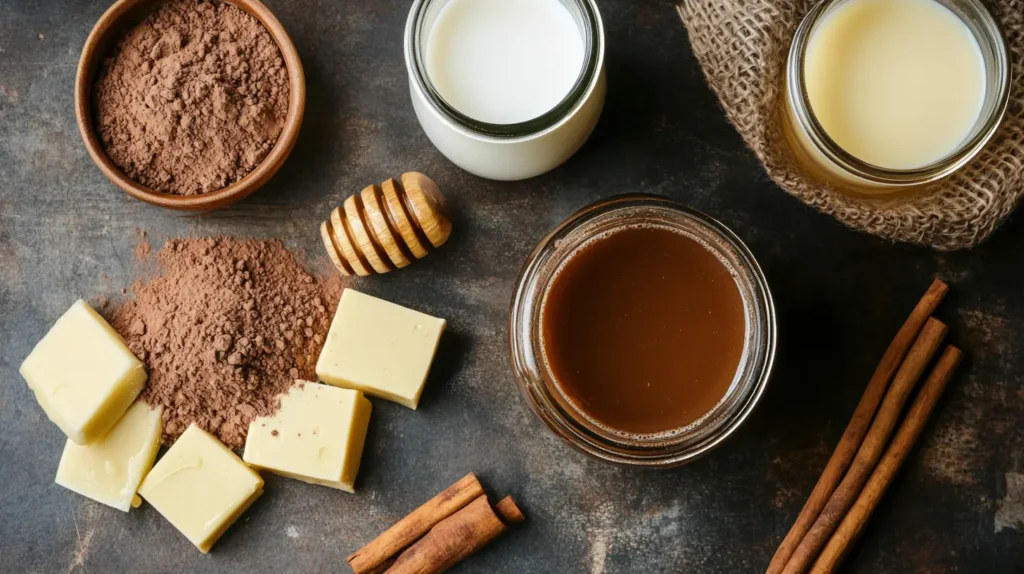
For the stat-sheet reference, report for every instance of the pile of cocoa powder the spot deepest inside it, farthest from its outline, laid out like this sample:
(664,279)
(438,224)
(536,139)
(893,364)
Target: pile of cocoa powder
(193,98)
(224,327)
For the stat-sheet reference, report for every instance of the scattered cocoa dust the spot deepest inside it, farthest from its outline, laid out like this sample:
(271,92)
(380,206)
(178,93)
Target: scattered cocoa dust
(224,328)
(142,246)
(193,98)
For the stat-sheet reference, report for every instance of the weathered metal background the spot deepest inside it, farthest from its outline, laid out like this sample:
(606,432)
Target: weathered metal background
(65,233)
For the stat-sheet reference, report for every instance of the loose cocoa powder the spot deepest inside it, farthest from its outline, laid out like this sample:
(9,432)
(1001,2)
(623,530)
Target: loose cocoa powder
(223,328)
(193,98)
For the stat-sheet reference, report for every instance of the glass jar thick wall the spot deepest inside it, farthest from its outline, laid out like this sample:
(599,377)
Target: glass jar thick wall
(541,390)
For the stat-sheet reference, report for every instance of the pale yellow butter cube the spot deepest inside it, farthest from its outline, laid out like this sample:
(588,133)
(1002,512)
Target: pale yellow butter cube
(316,436)
(83,374)
(201,487)
(379,348)
(110,470)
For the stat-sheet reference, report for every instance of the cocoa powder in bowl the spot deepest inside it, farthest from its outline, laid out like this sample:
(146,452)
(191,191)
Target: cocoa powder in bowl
(224,327)
(191,99)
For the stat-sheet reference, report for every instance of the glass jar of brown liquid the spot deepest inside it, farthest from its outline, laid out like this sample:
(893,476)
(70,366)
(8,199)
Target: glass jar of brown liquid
(642,332)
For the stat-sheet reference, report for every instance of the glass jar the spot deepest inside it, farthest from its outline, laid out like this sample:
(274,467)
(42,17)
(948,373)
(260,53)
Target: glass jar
(508,151)
(828,162)
(534,376)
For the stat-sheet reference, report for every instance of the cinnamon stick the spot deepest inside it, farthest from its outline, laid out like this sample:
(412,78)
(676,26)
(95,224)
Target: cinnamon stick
(845,494)
(451,540)
(508,511)
(852,525)
(858,426)
(369,558)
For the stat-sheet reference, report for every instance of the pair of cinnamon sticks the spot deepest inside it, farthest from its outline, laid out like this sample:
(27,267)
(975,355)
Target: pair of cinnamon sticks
(439,534)
(862,466)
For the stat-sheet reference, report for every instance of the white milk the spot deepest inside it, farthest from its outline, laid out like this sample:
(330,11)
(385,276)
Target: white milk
(898,84)
(504,61)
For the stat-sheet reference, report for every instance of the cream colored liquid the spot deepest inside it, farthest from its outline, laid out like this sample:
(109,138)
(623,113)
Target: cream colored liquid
(898,84)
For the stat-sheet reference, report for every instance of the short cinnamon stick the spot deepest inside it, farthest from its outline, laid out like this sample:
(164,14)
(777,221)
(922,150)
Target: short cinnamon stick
(451,540)
(852,525)
(858,426)
(870,450)
(509,512)
(369,558)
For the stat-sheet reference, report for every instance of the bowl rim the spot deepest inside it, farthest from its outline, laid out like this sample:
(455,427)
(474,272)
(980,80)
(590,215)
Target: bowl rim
(92,55)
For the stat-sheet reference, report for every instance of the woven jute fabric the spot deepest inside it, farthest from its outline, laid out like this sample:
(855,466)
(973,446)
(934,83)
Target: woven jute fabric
(742,46)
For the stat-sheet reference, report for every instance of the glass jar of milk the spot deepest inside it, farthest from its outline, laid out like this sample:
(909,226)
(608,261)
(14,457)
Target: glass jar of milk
(506,89)
(885,96)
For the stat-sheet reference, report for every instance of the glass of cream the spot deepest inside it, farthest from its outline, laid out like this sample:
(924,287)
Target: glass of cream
(891,95)
(506,89)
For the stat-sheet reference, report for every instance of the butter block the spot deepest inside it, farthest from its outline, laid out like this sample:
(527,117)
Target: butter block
(83,375)
(379,348)
(316,436)
(110,470)
(201,487)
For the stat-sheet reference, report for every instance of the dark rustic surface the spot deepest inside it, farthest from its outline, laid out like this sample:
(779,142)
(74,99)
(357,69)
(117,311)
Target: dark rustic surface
(66,233)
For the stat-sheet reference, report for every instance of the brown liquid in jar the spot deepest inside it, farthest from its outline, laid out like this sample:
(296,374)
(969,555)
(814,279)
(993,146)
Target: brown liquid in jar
(643,330)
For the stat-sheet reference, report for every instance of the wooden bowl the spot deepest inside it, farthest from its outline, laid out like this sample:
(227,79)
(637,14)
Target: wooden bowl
(123,15)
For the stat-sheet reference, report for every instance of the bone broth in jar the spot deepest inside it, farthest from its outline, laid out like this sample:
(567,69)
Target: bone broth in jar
(890,95)
(506,89)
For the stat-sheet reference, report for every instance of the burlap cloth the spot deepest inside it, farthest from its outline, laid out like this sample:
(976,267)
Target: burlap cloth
(742,46)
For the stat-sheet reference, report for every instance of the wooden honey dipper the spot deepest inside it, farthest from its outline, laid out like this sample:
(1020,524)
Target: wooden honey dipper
(387,226)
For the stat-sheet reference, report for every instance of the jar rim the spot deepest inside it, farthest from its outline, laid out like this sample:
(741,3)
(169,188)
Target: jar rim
(799,104)
(531,370)
(593,61)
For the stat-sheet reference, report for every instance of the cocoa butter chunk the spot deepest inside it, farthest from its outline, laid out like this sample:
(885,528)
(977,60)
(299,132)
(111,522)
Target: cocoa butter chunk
(379,348)
(83,374)
(110,470)
(201,487)
(316,436)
